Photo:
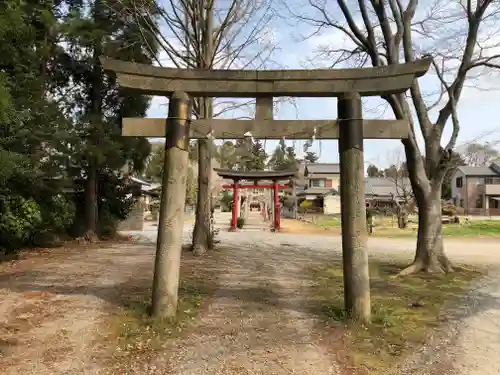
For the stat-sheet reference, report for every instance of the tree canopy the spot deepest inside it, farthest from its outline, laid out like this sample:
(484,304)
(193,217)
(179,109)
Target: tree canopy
(60,118)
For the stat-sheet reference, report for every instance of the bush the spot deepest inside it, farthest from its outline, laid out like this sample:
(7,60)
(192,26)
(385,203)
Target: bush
(449,210)
(107,224)
(305,205)
(58,214)
(19,220)
(371,212)
(240,222)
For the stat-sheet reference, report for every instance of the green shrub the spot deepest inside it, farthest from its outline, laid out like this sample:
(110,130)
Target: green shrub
(107,224)
(371,212)
(240,222)
(449,210)
(58,214)
(19,220)
(305,205)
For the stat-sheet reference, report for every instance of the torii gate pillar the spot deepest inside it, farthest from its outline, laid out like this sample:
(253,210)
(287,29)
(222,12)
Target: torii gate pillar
(353,212)
(235,207)
(276,206)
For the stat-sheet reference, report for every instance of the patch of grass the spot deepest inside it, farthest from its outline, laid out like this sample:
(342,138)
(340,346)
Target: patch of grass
(136,334)
(486,228)
(328,222)
(398,325)
(482,228)
(136,330)
(387,227)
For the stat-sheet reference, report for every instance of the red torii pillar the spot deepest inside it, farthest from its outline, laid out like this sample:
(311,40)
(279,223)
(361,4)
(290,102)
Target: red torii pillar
(276,206)
(276,202)
(236,202)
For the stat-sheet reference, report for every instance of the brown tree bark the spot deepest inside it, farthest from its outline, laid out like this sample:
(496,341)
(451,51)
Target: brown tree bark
(430,256)
(201,232)
(91,210)
(91,190)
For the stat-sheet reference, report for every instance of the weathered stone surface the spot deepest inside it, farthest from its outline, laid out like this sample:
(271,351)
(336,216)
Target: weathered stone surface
(153,80)
(264,108)
(266,129)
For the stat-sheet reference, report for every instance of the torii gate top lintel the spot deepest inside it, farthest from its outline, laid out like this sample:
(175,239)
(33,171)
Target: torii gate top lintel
(256,175)
(153,80)
(264,86)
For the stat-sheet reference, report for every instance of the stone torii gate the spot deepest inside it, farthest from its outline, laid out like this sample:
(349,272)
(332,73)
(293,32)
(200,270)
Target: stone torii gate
(348,85)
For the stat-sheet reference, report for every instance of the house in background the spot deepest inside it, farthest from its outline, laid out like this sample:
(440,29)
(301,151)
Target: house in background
(321,186)
(382,192)
(317,181)
(476,190)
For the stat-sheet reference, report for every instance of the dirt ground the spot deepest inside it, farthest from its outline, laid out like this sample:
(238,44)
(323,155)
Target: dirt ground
(56,307)
(53,305)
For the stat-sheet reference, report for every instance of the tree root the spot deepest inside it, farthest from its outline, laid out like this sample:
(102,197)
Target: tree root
(199,250)
(445,263)
(444,266)
(91,237)
(413,268)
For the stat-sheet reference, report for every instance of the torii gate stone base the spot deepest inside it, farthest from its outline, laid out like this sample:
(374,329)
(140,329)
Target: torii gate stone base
(348,85)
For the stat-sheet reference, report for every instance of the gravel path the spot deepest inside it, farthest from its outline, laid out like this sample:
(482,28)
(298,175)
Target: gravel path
(478,345)
(256,323)
(52,309)
(470,345)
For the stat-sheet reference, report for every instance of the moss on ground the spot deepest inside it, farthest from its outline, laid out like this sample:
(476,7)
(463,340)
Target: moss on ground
(404,310)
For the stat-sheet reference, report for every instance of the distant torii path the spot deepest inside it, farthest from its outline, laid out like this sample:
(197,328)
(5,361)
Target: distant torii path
(255,176)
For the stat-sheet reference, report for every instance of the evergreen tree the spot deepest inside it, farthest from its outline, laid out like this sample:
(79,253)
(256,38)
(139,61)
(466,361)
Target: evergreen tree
(278,159)
(227,155)
(311,157)
(373,171)
(32,126)
(259,156)
(93,29)
(283,158)
(243,154)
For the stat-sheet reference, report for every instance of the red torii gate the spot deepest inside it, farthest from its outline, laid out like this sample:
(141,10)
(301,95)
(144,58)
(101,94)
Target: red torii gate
(255,176)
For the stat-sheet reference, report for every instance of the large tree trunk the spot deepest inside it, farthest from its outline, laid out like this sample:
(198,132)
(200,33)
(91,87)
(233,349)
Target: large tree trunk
(201,232)
(430,255)
(91,204)
(91,190)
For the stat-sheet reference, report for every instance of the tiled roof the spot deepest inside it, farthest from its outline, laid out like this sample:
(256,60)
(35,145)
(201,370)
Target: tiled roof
(478,171)
(323,168)
(374,186)
(495,167)
(381,186)
(316,191)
